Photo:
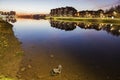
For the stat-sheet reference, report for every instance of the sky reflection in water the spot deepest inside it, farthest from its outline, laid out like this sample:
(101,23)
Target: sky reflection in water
(96,50)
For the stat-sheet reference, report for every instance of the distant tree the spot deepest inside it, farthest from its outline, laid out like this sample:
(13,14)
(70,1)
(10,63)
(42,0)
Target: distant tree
(119,2)
(114,11)
(117,8)
(12,13)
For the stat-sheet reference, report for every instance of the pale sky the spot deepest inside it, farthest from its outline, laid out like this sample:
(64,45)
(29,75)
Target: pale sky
(44,6)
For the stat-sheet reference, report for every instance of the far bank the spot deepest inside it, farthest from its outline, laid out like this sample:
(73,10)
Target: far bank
(102,20)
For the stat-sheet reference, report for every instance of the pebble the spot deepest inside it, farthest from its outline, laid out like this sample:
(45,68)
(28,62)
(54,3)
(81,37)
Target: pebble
(23,69)
(20,42)
(18,76)
(29,66)
(51,55)
(39,77)
(56,71)
(108,77)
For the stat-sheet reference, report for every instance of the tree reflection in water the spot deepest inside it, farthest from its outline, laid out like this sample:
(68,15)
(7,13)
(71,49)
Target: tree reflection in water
(69,26)
(10,51)
(11,19)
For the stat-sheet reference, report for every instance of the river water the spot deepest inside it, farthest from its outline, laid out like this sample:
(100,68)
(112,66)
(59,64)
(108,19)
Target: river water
(86,51)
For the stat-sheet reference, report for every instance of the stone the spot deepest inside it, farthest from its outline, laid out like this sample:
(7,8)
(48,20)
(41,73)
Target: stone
(56,71)
(108,77)
(18,76)
(29,66)
(51,55)
(23,69)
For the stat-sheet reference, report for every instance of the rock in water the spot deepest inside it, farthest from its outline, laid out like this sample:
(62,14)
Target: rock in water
(29,66)
(51,55)
(60,67)
(56,71)
(23,69)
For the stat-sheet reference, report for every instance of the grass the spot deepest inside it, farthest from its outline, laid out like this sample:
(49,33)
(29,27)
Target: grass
(0,19)
(102,20)
(4,23)
(2,77)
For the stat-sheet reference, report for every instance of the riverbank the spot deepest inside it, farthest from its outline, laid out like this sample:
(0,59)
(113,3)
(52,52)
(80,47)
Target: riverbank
(4,23)
(101,20)
(10,52)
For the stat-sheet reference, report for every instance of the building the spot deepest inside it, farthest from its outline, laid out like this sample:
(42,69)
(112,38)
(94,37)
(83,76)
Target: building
(63,11)
(91,14)
(72,12)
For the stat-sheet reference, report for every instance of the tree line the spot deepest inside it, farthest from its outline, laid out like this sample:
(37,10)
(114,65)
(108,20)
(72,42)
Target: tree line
(113,12)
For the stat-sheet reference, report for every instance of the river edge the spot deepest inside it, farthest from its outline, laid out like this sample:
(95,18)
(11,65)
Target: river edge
(50,68)
(10,52)
(101,20)
(5,23)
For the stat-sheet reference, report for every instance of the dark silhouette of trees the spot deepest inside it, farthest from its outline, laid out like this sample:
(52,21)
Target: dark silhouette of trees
(69,26)
(63,11)
(114,11)
(91,13)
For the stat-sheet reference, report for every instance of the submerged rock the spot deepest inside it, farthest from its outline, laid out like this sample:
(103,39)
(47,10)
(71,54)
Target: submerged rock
(51,55)
(29,66)
(23,69)
(56,71)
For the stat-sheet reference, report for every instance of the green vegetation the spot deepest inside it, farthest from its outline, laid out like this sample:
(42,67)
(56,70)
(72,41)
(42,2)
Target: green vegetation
(20,53)
(10,52)
(0,19)
(111,15)
(5,24)
(102,20)
(2,77)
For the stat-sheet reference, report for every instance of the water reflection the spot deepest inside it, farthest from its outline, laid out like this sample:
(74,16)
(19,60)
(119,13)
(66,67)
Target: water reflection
(83,54)
(67,26)
(110,28)
(10,51)
(11,19)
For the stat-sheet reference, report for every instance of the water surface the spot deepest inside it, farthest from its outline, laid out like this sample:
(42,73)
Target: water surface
(86,51)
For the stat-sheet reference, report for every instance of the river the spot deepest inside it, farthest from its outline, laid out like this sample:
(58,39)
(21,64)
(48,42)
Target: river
(86,51)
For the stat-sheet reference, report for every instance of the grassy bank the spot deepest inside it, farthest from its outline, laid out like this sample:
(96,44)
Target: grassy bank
(0,19)
(4,23)
(102,20)
(2,77)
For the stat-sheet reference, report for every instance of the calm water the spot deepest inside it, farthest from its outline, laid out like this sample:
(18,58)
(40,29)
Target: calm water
(86,51)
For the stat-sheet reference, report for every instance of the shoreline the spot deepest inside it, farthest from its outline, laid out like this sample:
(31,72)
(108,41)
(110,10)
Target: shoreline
(5,24)
(101,20)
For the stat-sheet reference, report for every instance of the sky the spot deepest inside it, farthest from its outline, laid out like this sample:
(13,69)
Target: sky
(44,6)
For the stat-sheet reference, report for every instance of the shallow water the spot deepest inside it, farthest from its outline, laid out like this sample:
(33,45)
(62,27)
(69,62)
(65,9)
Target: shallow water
(86,51)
